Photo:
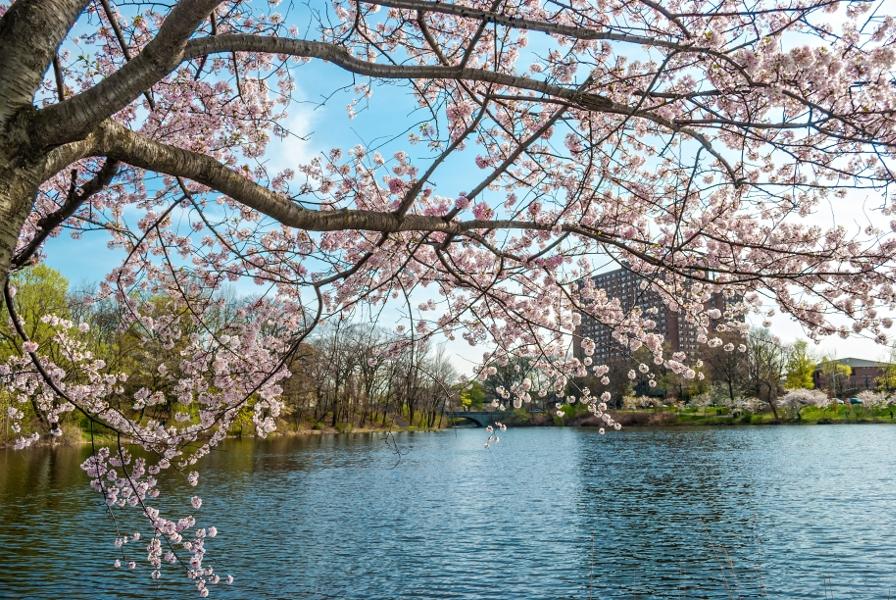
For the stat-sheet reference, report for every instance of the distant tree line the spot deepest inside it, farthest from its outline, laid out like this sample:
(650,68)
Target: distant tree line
(755,369)
(363,376)
(347,376)
(353,375)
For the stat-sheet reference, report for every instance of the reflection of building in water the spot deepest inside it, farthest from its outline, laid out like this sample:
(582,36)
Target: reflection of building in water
(679,334)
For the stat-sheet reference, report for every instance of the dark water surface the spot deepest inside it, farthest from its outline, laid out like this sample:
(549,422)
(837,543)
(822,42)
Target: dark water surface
(762,512)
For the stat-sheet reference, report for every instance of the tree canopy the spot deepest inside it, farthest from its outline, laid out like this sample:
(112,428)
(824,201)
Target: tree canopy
(800,367)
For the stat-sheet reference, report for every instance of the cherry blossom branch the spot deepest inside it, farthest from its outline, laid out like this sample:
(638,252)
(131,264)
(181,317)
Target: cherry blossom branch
(121,144)
(75,198)
(81,112)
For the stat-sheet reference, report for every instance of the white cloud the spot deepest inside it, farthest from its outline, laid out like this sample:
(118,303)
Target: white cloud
(298,146)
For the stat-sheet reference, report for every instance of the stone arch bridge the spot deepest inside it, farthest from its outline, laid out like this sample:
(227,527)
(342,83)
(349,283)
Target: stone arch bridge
(481,418)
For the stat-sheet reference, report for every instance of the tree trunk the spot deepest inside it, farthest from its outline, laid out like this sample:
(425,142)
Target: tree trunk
(771,403)
(30,33)
(17,190)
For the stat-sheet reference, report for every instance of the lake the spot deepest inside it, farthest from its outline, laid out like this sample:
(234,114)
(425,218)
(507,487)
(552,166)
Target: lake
(549,513)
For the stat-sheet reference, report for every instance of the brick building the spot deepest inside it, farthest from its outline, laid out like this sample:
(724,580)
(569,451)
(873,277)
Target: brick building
(864,375)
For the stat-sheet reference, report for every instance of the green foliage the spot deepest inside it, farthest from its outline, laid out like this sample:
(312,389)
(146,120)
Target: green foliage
(887,381)
(473,395)
(40,291)
(800,367)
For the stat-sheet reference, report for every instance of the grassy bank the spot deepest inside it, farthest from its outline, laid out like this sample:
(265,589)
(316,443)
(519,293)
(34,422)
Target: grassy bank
(578,416)
(809,415)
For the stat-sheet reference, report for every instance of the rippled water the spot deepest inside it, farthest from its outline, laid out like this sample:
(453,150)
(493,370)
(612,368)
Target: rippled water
(762,512)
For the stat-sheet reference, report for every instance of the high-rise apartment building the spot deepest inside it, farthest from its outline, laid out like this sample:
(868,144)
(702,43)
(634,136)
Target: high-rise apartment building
(679,334)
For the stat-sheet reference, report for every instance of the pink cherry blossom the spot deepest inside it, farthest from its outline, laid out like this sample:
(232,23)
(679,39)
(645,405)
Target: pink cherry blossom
(689,144)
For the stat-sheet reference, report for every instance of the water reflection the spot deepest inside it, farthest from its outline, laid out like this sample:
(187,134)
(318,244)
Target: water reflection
(789,512)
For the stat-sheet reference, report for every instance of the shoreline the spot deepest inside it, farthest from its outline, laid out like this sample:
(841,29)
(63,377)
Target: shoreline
(708,417)
(629,419)
(75,437)
(715,418)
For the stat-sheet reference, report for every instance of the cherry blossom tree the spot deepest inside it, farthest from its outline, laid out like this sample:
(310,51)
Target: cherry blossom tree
(691,142)
(794,400)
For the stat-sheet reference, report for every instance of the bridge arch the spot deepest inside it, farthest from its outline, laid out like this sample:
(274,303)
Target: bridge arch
(480,418)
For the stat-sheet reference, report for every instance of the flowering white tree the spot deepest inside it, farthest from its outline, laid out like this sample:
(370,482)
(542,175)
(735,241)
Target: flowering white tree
(796,399)
(689,141)
(872,399)
(751,405)
(640,402)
